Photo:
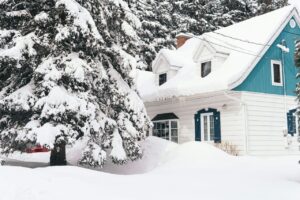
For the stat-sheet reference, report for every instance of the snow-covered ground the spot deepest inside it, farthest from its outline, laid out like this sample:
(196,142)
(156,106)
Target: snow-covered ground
(167,171)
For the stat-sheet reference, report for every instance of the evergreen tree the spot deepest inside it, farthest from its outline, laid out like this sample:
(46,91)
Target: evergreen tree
(66,77)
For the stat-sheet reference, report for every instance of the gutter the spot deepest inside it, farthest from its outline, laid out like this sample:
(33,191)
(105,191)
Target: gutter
(245,116)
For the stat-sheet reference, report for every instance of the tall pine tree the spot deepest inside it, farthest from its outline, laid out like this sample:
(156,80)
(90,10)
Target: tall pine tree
(66,77)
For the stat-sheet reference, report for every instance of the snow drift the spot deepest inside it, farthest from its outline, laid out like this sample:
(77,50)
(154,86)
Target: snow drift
(189,171)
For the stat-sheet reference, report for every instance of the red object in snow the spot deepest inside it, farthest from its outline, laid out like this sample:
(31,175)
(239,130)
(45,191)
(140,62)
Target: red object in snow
(37,149)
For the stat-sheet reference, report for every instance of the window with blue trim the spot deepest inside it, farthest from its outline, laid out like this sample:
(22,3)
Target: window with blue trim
(292,123)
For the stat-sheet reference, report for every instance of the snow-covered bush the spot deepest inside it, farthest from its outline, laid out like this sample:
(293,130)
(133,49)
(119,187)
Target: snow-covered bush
(65,78)
(228,148)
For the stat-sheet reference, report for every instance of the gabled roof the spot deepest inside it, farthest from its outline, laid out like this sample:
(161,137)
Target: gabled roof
(255,37)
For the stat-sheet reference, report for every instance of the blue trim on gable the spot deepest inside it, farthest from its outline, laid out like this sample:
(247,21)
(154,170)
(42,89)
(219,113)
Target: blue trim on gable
(260,78)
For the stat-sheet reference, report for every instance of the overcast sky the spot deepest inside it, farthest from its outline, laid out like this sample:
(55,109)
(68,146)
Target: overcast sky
(297,2)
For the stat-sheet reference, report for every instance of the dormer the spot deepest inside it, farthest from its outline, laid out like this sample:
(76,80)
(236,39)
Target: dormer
(163,68)
(208,59)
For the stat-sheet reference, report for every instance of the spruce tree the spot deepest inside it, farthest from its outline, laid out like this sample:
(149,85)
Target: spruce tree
(66,77)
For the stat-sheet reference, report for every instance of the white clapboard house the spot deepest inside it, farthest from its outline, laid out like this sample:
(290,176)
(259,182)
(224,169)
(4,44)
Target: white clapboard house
(236,84)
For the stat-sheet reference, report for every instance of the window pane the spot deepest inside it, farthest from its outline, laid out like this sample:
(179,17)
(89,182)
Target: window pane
(155,132)
(276,71)
(212,127)
(174,132)
(158,125)
(162,78)
(205,128)
(174,139)
(205,69)
(173,124)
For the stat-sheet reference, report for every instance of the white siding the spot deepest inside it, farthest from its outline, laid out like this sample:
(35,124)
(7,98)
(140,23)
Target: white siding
(261,119)
(266,115)
(232,125)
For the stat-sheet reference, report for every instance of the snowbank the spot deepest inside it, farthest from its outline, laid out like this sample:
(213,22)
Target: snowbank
(190,171)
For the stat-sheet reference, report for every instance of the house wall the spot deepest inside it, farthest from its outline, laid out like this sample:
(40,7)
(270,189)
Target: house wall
(261,118)
(266,117)
(232,115)
(260,79)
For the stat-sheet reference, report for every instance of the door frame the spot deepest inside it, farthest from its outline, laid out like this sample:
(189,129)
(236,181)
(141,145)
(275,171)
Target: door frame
(208,127)
(217,124)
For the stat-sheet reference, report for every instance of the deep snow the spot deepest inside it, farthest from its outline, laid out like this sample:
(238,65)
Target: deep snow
(190,171)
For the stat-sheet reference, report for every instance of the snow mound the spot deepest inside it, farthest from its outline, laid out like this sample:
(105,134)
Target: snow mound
(154,150)
(190,171)
(158,154)
(193,154)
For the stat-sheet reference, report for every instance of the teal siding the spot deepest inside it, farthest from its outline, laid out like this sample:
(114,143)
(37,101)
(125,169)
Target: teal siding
(260,79)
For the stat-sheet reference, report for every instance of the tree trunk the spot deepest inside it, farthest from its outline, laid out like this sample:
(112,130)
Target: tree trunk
(58,155)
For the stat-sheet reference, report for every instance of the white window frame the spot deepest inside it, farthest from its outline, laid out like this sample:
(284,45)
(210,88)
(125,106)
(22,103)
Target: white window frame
(272,72)
(170,128)
(208,128)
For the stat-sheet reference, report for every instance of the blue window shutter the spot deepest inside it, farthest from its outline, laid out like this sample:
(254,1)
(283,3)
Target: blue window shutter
(217,127)
(197,127)
(291,123)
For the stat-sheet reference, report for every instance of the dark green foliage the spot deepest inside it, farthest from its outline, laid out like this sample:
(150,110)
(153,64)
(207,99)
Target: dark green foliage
(66,78)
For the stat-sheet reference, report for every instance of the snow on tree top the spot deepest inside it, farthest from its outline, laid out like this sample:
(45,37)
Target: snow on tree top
(82,18)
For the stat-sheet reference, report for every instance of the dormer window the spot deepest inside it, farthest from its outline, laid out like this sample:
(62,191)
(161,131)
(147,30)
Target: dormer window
(162,78)
(205,68)
(276,69)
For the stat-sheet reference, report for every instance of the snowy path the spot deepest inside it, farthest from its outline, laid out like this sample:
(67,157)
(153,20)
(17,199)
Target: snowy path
(186,172)
(11,162)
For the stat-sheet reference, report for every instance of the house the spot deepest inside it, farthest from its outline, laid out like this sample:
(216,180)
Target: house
(236,84)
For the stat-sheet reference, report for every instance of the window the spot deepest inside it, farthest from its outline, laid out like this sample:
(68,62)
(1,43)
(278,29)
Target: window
(208,127)
(162,78)
(166,129)
(276,73)
(205,68)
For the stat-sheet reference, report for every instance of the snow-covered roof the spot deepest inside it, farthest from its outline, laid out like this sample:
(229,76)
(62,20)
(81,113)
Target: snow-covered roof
(243,55)
(178,58)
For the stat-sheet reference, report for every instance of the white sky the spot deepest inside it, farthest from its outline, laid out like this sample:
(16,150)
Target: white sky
(296,2)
